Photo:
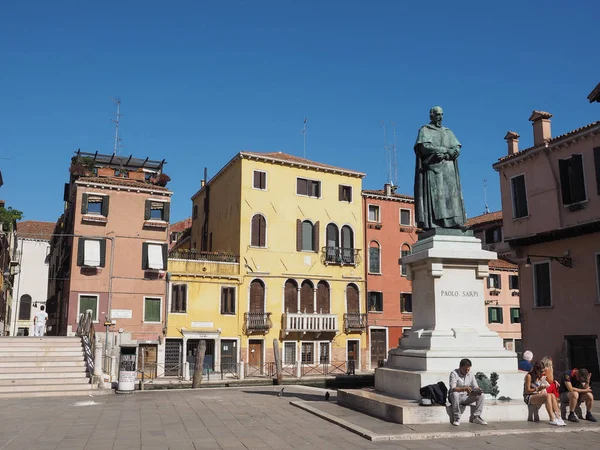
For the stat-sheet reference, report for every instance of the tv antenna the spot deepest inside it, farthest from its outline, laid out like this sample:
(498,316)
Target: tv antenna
(487,209)
(391,165)
(116,122)
(303,132)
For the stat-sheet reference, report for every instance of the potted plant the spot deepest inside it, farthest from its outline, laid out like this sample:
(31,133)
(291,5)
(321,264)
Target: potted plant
(161,180)
(138,175)
(82,166)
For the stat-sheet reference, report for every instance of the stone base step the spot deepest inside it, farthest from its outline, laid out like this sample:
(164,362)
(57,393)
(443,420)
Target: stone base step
(19,374)
(55,379)
(404,411)
(19,369)
(86,396)
(36,343)
(36,353)
(51,362)
(65,387)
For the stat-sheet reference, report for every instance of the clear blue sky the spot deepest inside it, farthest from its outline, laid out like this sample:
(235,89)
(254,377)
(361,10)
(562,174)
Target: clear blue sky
(200,81)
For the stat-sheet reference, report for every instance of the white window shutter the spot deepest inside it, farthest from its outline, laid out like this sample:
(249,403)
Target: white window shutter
(91,256)
(155,257)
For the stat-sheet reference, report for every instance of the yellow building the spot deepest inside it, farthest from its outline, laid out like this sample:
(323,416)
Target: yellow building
(296,228)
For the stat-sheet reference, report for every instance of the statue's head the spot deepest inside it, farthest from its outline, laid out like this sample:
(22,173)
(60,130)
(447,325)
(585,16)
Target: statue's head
(436,114)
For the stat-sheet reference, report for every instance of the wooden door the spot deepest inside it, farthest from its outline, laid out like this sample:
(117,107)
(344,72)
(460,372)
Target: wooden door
(378,350)
(255,353)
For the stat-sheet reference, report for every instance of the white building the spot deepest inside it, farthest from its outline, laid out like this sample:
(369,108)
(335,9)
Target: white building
(30,289)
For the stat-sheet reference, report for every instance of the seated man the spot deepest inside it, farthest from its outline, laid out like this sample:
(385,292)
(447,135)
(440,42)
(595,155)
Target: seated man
(525,364)
(574,390)
(464,390)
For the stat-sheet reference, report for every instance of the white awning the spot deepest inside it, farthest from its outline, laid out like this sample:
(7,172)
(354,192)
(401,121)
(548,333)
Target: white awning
(91,253)
(155,256)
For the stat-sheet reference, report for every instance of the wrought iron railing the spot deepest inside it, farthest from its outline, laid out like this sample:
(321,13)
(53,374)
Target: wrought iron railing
(257,321)
(85,330)
(340,255)
(303,322)
(355,322)
(195,255)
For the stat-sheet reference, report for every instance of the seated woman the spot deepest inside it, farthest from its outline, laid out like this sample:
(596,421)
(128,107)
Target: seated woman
(553,385)
(534,393)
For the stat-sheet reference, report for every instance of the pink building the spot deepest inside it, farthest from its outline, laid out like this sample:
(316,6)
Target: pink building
(551,206)
(390,234)
(109,252)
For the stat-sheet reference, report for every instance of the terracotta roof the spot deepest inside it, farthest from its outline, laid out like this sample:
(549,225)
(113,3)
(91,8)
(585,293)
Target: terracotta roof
(181,225)
(502,264)
(551,141)
(484,218)
(121,182)
(284,157)
(382,193)
(35,230)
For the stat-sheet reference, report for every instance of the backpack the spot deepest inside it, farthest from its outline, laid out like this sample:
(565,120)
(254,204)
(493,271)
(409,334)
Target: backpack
(437,393)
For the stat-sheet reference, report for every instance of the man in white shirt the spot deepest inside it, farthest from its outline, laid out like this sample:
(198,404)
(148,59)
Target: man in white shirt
(464,390)
(39,322)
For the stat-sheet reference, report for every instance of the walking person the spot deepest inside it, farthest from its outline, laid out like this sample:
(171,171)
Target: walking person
(39,322)
(534,393)
(464,390)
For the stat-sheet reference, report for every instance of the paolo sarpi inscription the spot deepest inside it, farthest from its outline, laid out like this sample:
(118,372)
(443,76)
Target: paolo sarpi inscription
(450,293)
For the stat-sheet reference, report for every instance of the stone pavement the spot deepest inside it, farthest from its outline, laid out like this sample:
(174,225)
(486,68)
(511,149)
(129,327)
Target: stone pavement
(239,418)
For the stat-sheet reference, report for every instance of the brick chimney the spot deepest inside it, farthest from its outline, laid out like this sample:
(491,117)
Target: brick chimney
(512,139)
(541,127)
(387,189)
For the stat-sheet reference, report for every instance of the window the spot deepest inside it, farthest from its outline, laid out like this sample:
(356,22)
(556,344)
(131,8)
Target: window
(257,297)
(227,300)
(494,281)
(597,167)
(406,303)
(513,281)
(519,196)
(152,309)
(179,298)
(25,307)
(89,302)
(308,353)
(347,245)
(195,212)
(258,236)
(333,243)
(323,298)
(405,251)
(572,180)
(154,256)
(493,235)
(289,353)
(259,180)
(91,252)
(345,193)
(515,315)
(541,284)
(519,348)
(174,235)
(95,204)
(307,236)
(405,218)
(290,296)
(157,210)
(374,213)
(352,299)
(324,353)
(495,315)
(307,297)
(374,258)
(375,302)
(310,188)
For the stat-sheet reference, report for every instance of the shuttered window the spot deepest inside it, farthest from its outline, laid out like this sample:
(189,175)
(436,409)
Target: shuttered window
(91,252)
(513,281)
(515,315)
(405,217)
(406,302)
(310,188)
(89,302)
(323,299)
(227,300)
(404,251)
(541,284)
(307,297)
(307,237)
(259,180)
(179,298)
(352,301)
(519,196)
(154,256)
(152,309)
(494,281)
(373,213)
(257,297)
(375,301)
(347,245)
(345,193)
(495,315)
(94,204)
(291,297)
(572,179)
(259,231)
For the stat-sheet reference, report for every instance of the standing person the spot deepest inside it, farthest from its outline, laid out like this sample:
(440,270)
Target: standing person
(574,390)
(534,393)
(525,364)
(39,322)
(464,390)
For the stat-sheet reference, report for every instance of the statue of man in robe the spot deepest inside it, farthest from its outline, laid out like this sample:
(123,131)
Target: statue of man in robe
(438,196)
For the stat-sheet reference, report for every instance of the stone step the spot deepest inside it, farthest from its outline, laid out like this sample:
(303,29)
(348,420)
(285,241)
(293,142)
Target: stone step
(56,379)
(85,396)
(19,369)
(18,372)
(39,339)
(36,353)
(49,362)
(30,348)
(35,343)
(47,388)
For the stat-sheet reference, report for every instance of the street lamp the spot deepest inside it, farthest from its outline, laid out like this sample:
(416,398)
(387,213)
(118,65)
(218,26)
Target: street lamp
(564,260)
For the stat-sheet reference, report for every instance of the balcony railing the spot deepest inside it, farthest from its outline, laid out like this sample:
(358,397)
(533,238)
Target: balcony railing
(307,322)
(355,322)
(257,321)
(195,255)
(341,256)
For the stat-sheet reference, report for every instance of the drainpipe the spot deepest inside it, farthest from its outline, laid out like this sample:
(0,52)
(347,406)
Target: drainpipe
(110,279)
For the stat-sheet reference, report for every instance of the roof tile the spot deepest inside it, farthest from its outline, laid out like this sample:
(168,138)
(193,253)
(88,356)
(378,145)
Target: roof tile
(280,156)
(484,218)
(122,182)
(35,229)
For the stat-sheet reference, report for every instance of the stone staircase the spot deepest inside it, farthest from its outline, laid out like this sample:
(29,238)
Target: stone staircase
(42,366)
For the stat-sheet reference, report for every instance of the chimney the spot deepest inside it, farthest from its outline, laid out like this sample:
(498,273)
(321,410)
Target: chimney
(512,140)
(541,127)
(202,183)
(387,189)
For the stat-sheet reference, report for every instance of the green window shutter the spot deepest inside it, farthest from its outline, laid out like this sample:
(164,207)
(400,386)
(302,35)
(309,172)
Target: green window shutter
(102,252)
(167,212)
(152,310)
(144,256)
(105,205)
(84,203)
(147,210)
(499,278)
(80,251)
(165,252)
(500,315)
(88,302)
(490,315)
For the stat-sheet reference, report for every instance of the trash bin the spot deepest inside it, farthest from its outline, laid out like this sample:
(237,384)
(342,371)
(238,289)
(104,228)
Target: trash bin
(127,369)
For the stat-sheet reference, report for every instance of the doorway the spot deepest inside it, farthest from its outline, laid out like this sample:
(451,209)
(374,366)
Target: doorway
(149,353)
(255,351)
(352,356)
(228,355)
(173,357)
(583,353)
(378,347)
(209,355)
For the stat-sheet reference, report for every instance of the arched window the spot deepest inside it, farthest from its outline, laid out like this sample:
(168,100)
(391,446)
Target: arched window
(404,251)
(374,257)
(25,307)
(290,294)
(347,245)
(257,296)
(307,297)
(333,243)
(323,298)
(259,231)
(308,242)
(352,301)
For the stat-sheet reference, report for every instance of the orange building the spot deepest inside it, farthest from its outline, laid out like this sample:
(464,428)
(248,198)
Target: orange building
(389,235)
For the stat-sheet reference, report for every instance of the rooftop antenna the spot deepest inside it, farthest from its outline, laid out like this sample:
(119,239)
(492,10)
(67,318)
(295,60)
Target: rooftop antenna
(303,132)
(394,165)
(116,122)
(390,155)
(487,209)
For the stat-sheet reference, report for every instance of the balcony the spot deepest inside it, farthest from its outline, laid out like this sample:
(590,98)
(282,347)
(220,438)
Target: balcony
(257,322)
(307,322)
(203,263)
(341,256)
(355,322)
